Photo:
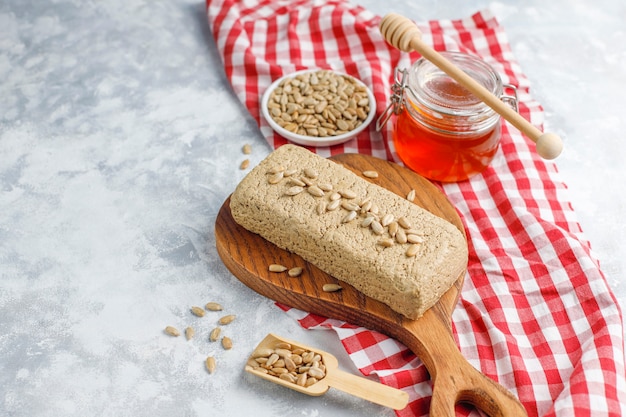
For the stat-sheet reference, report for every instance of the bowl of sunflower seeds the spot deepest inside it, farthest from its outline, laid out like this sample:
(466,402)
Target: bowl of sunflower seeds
(318,107)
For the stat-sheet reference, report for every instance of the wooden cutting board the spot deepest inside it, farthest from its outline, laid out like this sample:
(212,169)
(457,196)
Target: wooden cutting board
(248,256)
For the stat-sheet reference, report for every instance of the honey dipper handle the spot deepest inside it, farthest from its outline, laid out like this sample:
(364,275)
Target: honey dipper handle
(403,34)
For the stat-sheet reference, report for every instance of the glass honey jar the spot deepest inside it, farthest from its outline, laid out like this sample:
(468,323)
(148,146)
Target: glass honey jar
(442,131)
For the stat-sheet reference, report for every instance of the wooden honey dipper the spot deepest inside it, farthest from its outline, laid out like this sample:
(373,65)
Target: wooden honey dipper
(403,34)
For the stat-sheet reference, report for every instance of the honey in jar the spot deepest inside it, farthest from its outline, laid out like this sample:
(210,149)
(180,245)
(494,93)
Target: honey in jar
(444,132)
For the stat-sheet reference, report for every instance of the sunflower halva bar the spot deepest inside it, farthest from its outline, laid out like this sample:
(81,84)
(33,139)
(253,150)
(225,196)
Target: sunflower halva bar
(385,246)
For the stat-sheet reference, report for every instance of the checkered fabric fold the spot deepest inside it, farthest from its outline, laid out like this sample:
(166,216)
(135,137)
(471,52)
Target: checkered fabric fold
(536,313)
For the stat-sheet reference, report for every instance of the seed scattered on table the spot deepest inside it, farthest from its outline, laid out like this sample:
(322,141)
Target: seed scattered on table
(226,319)
(227,343)
(213,306)
(172,331)
(210,364)
(215,334)
(244,164)
(189,333)
(197,311)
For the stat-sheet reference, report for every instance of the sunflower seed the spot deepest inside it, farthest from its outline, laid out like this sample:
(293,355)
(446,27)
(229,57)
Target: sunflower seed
(244,164)
(377,227)
(277,268)
(331,288)
(226,319)
(404,222)
(411,195)
(215,334)
(349,194)
(349,217)
(311,173)
(212,306)
(386,220)
(295,190)
(370,174)
(414,238)
(227,343)
(189,333)
(197,311)
(401,236)
(333,205)
(246,149)
(295,272)
(350,206)
(314,190)
(210,364)
(412,250)
(276,178)
(172,331)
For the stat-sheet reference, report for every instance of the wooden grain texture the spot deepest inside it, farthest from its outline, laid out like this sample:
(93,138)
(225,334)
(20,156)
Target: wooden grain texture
(248,256)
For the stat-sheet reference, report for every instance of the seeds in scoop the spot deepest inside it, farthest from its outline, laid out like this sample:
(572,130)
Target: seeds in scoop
(295,272)
(172,331)
(212,306)
(227,343)
(226,319)
(210,364)
(286,362)
(331,287)
(197,311)
(189,333)
(244,164)
(215,334)
(370,174)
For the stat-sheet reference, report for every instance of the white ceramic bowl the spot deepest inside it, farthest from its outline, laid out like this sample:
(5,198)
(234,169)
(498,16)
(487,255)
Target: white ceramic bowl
(314,140)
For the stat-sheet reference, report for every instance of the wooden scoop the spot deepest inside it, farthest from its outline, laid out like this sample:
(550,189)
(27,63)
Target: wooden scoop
(248,257)
(403,34)
(336,378)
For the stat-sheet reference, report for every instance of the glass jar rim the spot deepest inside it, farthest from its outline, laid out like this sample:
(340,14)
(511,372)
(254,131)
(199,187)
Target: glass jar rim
(432,95)
(431,87)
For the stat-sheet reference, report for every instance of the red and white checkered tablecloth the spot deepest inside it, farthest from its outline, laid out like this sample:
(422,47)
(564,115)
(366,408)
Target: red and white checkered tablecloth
(536,313)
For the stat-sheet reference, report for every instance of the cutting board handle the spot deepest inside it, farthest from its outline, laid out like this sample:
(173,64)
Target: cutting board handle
(455,380)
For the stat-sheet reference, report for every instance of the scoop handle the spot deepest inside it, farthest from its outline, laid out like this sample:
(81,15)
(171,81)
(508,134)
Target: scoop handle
(368,390)
(403,34)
